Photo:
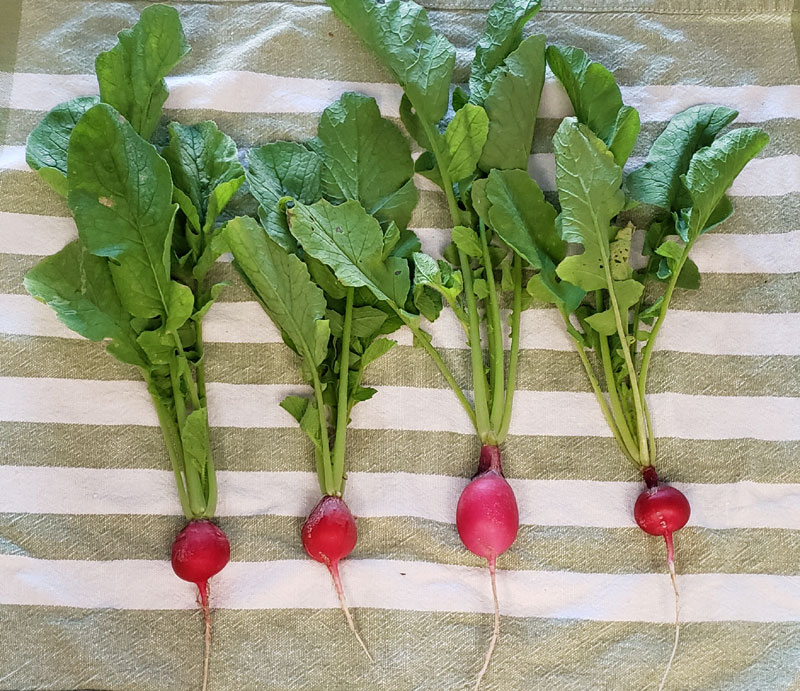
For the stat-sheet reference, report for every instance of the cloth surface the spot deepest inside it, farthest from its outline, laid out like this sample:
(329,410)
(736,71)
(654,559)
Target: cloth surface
(88,507)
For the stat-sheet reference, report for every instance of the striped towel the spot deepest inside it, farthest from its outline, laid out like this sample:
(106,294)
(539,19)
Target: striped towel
(87,503)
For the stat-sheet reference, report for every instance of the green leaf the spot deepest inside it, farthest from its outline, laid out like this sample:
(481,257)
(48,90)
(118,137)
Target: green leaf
(546,286)
(512,104)
(131,74)
(670,249)
(205,167)
(367,158)
(46,148)
(284,169)
(588,182)
(390,239)
(689,277)
(522,218)
(158,346)
(366,322)
(194,439)
(427,301)
(596,99)
(376,349)
(215,248)
(282,284)
(437,275)
(296,406)
(464,139)
(628,293)
(350,242)
(399,34)
(325,278)
(467,241)
(412,123)
(121,213)
(502,35)
(713,169)
(180,305)
(214,293)
(658,181)
(480,288)
(619,252)
(79,288)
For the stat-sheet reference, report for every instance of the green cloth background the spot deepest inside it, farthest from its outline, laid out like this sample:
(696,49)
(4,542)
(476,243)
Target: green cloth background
(280,648)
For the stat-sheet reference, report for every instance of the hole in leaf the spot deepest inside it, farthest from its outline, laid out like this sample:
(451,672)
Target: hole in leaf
(339,229)
(417,46)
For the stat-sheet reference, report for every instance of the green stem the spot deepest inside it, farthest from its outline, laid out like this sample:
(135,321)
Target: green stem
(174,449)
(496,350)
(344,386)
(511,381)
(662,313)
(479,385)
(479,412)
(200,367)
(598,392)
(328,487)
(424,340)
(194,485)
(622,332)
(616,406)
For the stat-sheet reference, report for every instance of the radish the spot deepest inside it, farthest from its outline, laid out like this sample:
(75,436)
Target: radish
(487,519)
(600,292)
(329,534)
(201,550)
(330,276)
(490,132)
(136,276)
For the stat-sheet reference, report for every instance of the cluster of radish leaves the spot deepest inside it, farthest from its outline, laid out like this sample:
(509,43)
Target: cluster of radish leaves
(488,129)
(343,199)
(611,303)
(136,276)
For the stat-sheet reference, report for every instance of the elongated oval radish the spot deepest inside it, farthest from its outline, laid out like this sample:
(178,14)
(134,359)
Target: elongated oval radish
(662,511)
(487,519)
(329,534)
(201,550)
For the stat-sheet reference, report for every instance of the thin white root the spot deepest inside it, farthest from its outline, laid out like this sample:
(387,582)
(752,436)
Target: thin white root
(207,636)
(495,632)
(337,583)
(671,565)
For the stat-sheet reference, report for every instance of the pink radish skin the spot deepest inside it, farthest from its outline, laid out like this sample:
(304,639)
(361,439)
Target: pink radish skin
(487,519)
(663,511)
(201,550)
(329,535)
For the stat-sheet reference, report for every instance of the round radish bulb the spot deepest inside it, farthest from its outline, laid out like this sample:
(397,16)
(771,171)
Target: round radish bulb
(487,519)
(200,551)
(329,535)
(662,511)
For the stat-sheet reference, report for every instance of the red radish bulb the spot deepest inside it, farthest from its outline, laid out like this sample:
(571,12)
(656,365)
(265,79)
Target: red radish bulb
(663,511)
(487,519)
(329,535)
(201,550)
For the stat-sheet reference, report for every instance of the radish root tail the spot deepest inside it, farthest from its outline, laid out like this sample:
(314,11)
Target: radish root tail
(203,587)
(671,566)
(496,631)
(337,583)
